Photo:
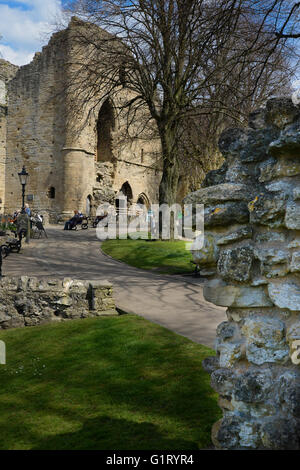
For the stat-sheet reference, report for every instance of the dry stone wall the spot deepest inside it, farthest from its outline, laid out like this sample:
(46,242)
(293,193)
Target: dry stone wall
(251,256)
(30,301)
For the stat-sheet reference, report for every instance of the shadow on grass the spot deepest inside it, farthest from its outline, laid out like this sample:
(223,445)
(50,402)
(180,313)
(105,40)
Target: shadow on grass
(106,433)
(110,383)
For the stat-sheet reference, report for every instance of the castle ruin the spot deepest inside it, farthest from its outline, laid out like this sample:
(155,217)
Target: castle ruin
(75,163)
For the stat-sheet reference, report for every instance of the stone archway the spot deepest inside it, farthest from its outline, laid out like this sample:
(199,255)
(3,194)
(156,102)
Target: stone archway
(125,192)
(144,200)
(88,205)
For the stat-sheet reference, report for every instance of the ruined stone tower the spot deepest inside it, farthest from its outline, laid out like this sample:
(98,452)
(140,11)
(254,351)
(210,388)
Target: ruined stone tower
(7,72)
(74,163)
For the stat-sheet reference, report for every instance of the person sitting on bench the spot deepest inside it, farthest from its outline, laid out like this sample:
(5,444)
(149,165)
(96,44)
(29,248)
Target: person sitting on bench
(73,221)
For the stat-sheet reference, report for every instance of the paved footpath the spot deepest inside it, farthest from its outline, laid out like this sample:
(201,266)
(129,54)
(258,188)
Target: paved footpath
(175,302)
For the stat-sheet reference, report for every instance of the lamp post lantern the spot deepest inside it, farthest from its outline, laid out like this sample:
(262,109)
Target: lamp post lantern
(23,175)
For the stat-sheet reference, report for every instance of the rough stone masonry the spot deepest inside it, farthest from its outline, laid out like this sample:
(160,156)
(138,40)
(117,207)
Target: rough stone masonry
(74,160)
(30,301)
(251,256)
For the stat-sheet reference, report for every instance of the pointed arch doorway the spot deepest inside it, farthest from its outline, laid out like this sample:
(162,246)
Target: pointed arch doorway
(88,205)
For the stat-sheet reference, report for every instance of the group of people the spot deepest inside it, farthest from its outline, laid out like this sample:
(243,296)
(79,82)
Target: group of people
(23,220)
(29,213)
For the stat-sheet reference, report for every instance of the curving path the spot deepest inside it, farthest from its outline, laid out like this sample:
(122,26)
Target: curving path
(175,302)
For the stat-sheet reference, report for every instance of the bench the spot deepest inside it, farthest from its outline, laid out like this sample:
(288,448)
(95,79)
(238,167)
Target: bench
(38,230)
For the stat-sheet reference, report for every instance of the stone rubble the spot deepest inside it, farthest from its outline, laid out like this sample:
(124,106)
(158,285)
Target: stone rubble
(252,249)
(30,301)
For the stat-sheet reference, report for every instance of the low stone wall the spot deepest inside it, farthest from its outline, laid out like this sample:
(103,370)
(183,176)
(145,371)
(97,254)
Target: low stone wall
(251,256)
(29,301)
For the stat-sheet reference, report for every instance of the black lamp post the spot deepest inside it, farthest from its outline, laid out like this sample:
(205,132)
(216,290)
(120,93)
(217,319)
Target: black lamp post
(23,175)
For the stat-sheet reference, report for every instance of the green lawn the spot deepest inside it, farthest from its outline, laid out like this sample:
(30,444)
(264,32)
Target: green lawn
(163,256)
(106,383)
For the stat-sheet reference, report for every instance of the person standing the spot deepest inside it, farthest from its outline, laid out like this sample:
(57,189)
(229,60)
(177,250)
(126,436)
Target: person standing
(27,210)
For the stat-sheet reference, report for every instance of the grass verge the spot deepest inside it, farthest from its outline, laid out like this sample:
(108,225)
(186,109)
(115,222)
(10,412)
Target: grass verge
(169,257)
(106,383)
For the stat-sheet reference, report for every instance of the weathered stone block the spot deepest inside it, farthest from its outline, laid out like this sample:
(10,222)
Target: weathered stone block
(235,264)
(226,214)
(287,389)
(229,352)
(285,294)
(235,296)
(215,177)
(207,256)
(222,381)
(254,386)
(235,432)
(281,112)
(220,193)
(295,263)
(274,260)
(250,145)
(292,216)
(265,340)
(235,236)
(268,209)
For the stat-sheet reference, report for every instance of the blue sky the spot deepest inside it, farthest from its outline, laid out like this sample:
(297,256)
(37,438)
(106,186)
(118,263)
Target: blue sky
(25,26)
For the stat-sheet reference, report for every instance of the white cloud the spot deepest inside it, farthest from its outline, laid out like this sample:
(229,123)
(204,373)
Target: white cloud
(25,30)
(17,57)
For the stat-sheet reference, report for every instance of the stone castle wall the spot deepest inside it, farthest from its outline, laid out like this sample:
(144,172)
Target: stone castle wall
(32,301)
(36,131)
(251,256)
(59,149)
(7,72)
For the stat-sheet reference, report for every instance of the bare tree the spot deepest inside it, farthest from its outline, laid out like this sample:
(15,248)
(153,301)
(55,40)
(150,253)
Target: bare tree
(227,106)
(180,59)
(289,26)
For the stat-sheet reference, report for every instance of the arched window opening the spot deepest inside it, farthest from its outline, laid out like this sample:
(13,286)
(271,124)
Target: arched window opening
(143,200)
(51,193)
(125,191)
(105,126)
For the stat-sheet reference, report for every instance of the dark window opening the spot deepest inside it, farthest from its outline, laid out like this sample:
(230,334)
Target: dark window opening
(105,126)
(88,206)
(127,192)
(51,193)
(143,200)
